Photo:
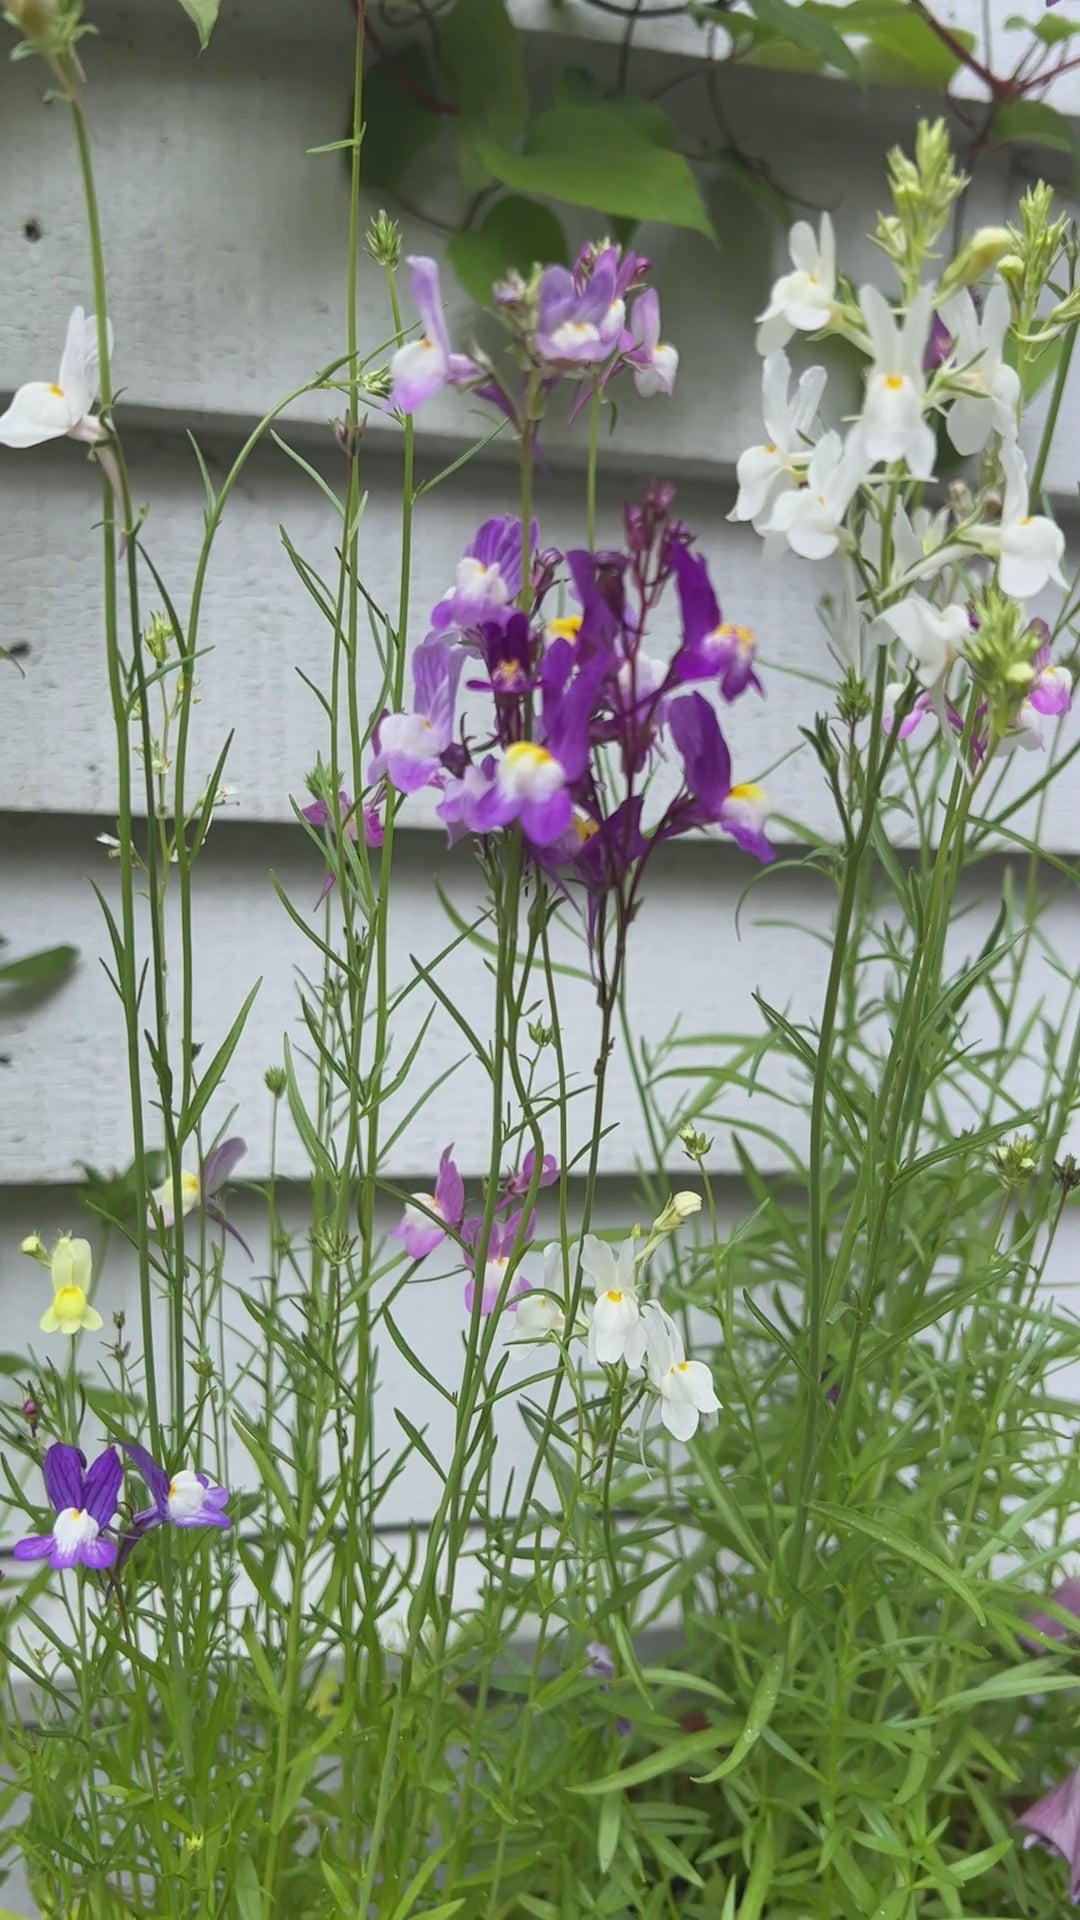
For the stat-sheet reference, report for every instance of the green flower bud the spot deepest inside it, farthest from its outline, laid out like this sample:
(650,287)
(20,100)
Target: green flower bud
(383,240)
(1016,1160)
(159,633)
(978,254)
(275,1080)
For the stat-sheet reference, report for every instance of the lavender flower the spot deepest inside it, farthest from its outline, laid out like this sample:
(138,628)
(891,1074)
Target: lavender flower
(501,1242)
(1055,1821)
(518,1184)
(85,1502)
(198,1190)
(409,746)
(488,576)
(580,315)
(422,367)
(182,1499)
(710,650)
(420,1233)
(601,1668)
(319,814)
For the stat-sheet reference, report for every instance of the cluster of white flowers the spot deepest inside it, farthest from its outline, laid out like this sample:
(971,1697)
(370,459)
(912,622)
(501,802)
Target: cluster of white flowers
(935,354)
(622,1326)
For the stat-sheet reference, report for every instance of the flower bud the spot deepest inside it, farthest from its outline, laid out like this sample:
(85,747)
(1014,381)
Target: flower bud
(681,1207)
(156,639)
(696,1144)
(1016,1160)
(35,18)
(275,1081)
(383,240)
(34,1247)
(976,257)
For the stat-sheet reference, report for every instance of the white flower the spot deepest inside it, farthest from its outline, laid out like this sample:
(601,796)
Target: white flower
(42,411)
(1028,547)
(537,1315)
(991,394)
(801,301)
(616,1329)
(162,1197)
(810,517)
(766,470)
(892,412)
(932,635)
(685,1386)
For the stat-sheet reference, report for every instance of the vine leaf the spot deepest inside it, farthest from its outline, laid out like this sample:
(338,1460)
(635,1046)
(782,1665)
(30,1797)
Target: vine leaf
(515,233)
(204,13)
(595,157)
(808,31)
(1034,124)
(396,127)
(482,61)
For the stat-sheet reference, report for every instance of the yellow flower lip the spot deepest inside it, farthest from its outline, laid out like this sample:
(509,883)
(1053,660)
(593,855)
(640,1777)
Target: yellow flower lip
(614,1296)
(894,382)
(58,392)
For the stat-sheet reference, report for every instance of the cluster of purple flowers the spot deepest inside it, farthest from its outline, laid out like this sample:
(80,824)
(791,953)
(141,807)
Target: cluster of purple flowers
(85,1502)
(566,323)
(580,712)
(431,1218)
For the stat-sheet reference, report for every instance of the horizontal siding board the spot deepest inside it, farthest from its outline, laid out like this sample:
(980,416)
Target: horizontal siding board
(262,630)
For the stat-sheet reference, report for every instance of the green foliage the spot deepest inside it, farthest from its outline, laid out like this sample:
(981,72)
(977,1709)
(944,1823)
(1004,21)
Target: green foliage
(514,233)
(1032,123)
(595,157)
(481,55)
(40,969)
(204,13)
(397,126)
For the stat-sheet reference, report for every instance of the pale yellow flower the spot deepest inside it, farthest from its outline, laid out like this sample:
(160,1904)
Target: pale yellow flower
(71,1269)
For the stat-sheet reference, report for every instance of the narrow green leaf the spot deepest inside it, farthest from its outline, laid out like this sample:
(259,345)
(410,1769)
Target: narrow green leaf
(204,13)
(1032,123)
(397,126)
(690,1746)
(843,1519)
(245,1888)
(808,31)
(261,1664)
(515,233)
(761,1708)
(607,1829)
(594,157)
(211,1079)
(38,969)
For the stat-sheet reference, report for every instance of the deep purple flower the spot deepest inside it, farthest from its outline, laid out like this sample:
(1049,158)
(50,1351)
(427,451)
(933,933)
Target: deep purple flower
(580,317)
(488,576)
(85,1502)
(518,1184)
(1055,1820)
(319,814)
(532,780)
(419,1232)
(939,345)
(710,650)
(181,1499)
(409,746)
(1067,1598)
(711,798)
(420,368)
(508,656)
(500,1246)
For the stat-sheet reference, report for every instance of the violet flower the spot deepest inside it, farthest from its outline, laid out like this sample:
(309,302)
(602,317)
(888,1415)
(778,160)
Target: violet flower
(409,746)
(419,1232)
(1067,1598)
(711,798)
(532,780)
(501,1242)
(421,367)
(518,1184)
(182,1499)
(601,1668)
(85,1502)
(198,1190)
(1051,689)
(581,315)
(319,814)
(1055,1821)
(488,576)
(939,345)
(710,650)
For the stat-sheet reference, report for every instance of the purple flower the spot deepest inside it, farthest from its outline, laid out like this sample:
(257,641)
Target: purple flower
(654,362)
(85,1502)
(488,577)
(581,315)
(532,780)
(182,1499)
(419,1232)
(508,656)
(601,1668)
(710,650)
(420,368)
(939,345)
(518,1184)
(1051,689)
(197,1190)
(319,814)
(711,798)
(500,1246)
(1055,1820)
(409,746)
(1066,1598)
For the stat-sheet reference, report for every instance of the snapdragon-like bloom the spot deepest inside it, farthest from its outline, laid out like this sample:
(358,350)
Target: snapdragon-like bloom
(616,1328)
(1051,689)
(1055,1820)
(199,1189)
(71,1269)
(685,1386)
(711,650)
(892,414)
(991,389)
(712,800)
(44,410)
(488,576)
(422,367)
(654,362)
(319,814)
(767,470)
(1027,546)
(539,1315)
(922,709)
(811,517)
(802,301)
(500,1247)
(517,1184)
(532,780)
(580,315)
(419,1232)
(409,746)
(933,636)
(85,1503)
(181,1499)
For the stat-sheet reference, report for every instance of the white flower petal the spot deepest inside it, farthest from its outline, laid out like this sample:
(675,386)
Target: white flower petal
(38,412)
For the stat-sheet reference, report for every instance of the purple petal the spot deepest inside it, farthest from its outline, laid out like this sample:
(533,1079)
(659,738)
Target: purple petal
(219,1164)
(102,1489)
(157,1480)
(216,1213)
(98,1554)
(38,1547)
(450,1189)
(1067,1598)
(418,1241)
(1055,1820)
(62,1469)
(427,295)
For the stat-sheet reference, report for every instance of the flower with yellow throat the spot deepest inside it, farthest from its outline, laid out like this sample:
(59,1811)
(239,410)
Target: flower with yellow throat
(70,1267)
